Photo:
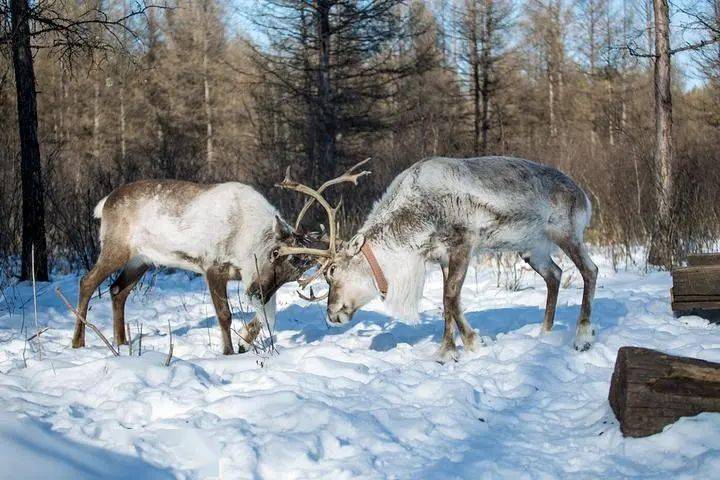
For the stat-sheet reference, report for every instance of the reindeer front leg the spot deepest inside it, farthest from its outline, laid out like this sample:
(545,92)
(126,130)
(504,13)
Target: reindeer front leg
(453,279)
(217,283)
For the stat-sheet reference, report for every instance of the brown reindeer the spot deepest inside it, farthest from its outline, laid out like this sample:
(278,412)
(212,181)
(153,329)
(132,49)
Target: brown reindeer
(225,231)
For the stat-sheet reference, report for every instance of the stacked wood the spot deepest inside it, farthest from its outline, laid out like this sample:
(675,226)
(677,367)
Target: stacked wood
(650,389)
(696,288)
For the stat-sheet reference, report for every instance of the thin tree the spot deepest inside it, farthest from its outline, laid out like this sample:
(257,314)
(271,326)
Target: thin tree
(661,247)
(33,206)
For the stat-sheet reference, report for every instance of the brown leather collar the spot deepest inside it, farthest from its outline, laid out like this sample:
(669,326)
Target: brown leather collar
(380,279)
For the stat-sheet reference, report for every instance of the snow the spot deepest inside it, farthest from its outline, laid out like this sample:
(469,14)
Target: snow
(365,400)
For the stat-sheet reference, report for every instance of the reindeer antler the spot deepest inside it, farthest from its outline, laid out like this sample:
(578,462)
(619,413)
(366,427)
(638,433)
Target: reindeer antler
(316,196)
(348,176)
(312,297)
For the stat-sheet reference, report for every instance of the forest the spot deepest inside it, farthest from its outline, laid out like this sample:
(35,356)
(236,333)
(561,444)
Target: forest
(215,91)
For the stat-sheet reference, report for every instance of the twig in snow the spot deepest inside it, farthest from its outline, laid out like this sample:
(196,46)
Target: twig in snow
(92,327)
(37,327)
(22,329)
(129,339)
(140,341)
(39,332)
(170,353)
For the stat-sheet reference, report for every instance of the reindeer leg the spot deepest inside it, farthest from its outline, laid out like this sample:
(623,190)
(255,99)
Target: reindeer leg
(544,265)
(584,334)
(457,269)
(120,291)
(217,283)
(453,279)
(105,266)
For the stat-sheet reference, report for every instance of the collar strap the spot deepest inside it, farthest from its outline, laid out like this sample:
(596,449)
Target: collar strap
(380,279)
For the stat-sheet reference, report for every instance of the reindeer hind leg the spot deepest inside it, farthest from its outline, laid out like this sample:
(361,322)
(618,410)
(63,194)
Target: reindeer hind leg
(576,250)
(543,264)
(120,291)
(110,260)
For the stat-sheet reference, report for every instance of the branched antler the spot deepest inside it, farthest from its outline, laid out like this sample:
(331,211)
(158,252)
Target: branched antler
(348,176)
(312,297)
(328,254)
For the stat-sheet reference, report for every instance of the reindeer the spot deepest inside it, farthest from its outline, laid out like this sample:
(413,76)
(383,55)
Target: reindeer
(224,231)
(444,211)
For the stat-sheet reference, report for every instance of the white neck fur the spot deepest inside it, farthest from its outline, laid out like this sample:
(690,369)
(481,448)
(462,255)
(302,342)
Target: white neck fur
(404,270)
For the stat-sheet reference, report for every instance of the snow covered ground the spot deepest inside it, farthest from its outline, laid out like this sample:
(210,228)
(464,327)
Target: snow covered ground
(361,401)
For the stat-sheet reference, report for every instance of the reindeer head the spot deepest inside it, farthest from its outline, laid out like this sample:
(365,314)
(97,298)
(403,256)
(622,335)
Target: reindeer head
(270,273)
(337,264)
(351,282)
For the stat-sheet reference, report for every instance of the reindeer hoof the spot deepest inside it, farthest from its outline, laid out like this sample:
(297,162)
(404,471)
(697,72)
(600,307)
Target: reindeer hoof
(583,347)
(584,338)
(228,351)
(444,355)
(471,342)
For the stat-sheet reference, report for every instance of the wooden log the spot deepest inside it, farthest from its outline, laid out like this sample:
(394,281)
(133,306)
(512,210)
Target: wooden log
(703,259)
(650,389)
(696,281)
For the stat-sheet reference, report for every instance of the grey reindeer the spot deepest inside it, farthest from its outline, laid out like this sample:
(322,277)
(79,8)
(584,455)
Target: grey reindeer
(445,211)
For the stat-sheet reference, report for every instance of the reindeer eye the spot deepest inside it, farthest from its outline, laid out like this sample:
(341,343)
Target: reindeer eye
(331,271)
(274,255)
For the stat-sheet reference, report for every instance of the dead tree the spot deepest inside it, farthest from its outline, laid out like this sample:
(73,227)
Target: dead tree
(661,247)
(33,206)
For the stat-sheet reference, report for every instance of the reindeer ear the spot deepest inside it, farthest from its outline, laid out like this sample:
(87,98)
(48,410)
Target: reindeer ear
(282,229)
(355,244)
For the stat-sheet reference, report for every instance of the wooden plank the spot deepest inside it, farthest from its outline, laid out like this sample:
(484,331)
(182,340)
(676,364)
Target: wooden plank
(677,306)
(650,389)
(696,281)
(703,259)
(695,298)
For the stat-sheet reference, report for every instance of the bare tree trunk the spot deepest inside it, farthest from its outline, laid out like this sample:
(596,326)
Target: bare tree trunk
(206,87)
(123,145)
(554,64)
(123,134)
(592,26)
(551,102)
(661,249)
(486,62)
(33,206)
(96,120)
(474,58)
(476,108)
(609,42)
(649,36)
(326,135)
